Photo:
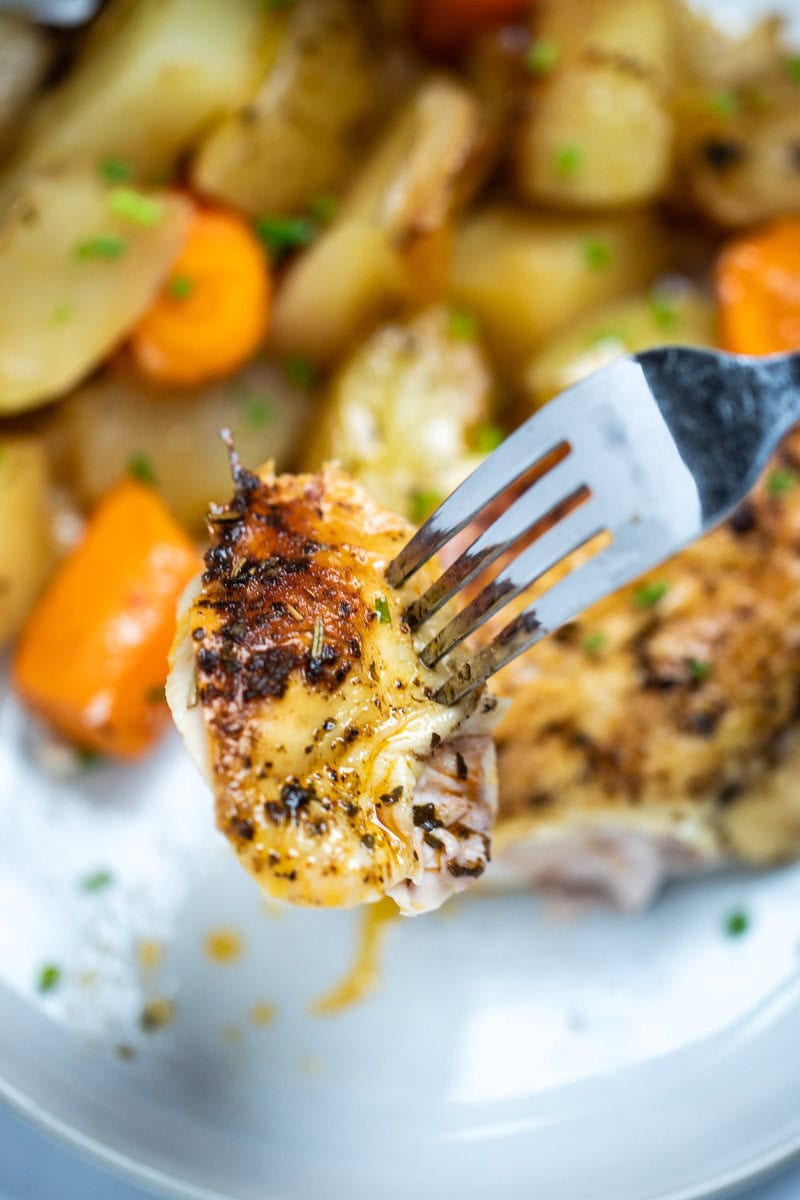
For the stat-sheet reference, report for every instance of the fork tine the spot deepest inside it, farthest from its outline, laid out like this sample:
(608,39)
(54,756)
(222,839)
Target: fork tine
(528,445)
(562,483)
(561,539)
(608,570)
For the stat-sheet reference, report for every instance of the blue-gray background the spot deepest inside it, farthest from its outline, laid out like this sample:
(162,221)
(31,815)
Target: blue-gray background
(34,1168)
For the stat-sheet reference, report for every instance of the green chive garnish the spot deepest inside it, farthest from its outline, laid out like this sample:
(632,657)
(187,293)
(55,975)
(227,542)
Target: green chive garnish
(155,695)
(258,412)
(543,54)
(724,103)
(736,923)
(141,468)
(781,481)
(283,234)
(793,69)
(49,977)
(567,159)
(382,609)
(649,594)
(593,643)
(664,310)
(462,325)
(699,669)
(180,287)
(116,170)
(598,253)
(300,370)
(134,206)
(104,245)
(323,209)
(487,437)
(61,314)
(97,881)
(423,503)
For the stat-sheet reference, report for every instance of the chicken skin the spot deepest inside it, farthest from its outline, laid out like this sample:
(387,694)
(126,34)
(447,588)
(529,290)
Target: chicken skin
(295,681)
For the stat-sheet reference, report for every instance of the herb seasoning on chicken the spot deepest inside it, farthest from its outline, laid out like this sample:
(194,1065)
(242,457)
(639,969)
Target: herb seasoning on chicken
(296,684)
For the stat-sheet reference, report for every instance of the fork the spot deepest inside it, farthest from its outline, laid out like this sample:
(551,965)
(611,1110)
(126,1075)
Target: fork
(654,450)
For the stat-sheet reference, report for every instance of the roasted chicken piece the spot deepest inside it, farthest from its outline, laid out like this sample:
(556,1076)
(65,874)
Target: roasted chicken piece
(658,735)
(295,681)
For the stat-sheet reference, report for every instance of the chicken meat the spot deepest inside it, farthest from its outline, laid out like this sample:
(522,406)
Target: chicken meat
(295,682)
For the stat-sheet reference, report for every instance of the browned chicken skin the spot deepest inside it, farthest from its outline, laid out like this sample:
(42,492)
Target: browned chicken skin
(297,685)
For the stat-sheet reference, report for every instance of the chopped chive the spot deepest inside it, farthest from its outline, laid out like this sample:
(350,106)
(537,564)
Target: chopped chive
(650,594)
(594,643)
(423,503)
(382,609)
(568,159)
(300,370)
(318,639)
(49,977)
(737,923)
(97,881)
(104,245)
(134,206)
(323,209)
(542,55)
(258,412)
(88,758)
(116,170)
(793,69)
(179,287)
(462,325)
(155,695)
(724,103)
(598,253)
(141,468)
(283,234)
(663,310)
(61,314)
(487,437)
(781,481)
(699,669)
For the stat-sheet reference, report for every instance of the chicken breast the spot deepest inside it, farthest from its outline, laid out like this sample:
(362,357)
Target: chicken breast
(659,734)
(338,779)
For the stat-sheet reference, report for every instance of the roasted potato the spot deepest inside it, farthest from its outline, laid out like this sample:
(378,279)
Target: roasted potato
(303,130)
(403,413)
(526,275)
(671,314)
(151,75)
(738,158)
(26,545)
(389,243)
(25,54)
(707,54)
(117,423)
(598,129)
(74,277)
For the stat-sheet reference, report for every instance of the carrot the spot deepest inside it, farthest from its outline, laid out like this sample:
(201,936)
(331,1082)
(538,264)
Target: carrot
(447,24)
(92,659)
(213,311)
(758,287)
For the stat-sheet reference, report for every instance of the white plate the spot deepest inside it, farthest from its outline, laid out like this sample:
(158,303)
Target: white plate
(640,1058)
(506,1052)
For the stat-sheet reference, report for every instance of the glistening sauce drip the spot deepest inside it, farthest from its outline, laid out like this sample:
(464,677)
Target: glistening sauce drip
(364,974)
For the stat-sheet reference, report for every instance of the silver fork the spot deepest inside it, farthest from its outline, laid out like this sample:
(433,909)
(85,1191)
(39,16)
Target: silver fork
(657,449)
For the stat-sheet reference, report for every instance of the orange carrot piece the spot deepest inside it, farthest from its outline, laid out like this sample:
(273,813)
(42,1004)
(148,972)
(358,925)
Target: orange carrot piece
(447,24)
(213,311)
(92,659)
(758,287)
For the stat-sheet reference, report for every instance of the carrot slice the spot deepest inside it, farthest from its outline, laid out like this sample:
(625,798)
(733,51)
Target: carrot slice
(448,24)
(758,287)
(213,311)
(92,659)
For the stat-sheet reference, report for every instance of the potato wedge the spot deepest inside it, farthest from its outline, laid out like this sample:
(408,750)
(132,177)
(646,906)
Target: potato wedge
(598,131)
(303,130)
(27,551)
(117,423)
(389,242)
(670,314)
(73,278)
(526,275)
(737,150)
(151,75)
(402,413)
